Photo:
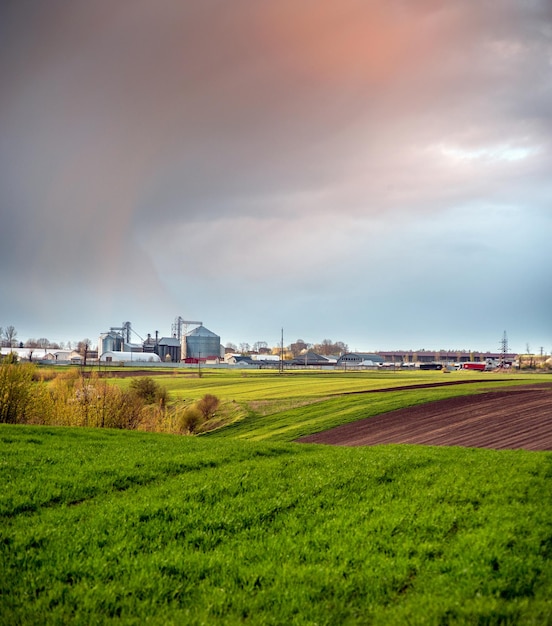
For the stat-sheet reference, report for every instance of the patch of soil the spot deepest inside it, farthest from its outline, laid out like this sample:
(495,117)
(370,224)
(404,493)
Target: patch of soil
(514,418)
(132,373)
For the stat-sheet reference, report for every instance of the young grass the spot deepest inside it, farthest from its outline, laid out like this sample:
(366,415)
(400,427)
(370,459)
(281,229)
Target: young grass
(316,415)
(284,400)
(104,526)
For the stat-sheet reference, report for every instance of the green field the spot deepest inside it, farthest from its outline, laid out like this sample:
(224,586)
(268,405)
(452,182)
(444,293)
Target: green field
(265,405)
(242,526)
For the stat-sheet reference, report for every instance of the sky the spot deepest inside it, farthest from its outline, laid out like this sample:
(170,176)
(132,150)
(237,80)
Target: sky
(372,172)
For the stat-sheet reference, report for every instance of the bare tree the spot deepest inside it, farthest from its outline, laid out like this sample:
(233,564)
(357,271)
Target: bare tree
(328,347)
(245,348)
(10,335)
(83,348)
(42,342)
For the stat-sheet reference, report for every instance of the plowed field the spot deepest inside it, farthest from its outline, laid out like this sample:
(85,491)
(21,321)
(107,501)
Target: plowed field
(519,417)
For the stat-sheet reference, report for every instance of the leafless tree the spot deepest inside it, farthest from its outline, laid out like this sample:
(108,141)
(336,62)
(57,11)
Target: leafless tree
(83,348)
(328,347)
(10,335)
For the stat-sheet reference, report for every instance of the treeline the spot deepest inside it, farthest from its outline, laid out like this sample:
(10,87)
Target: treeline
(29,395)
(326,348)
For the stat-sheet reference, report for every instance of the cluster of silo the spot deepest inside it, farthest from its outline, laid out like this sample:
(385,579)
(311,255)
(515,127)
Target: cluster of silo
(200,344)
(110,342)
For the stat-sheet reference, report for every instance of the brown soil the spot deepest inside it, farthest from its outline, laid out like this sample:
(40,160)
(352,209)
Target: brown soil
(133,373)
(517,418)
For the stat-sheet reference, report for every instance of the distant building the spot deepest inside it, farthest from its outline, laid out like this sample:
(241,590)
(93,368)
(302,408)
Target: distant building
(312,359)
(441,356)
(169,349)
(360,359)
(113,356)
(201,344)
(110,342)
(44,355)
(239,359)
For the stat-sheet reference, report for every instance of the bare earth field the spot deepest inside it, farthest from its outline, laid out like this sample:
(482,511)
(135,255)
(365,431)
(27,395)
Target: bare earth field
(520,417)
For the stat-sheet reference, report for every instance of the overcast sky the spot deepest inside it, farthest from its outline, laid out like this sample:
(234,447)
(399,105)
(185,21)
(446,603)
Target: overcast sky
(372,172)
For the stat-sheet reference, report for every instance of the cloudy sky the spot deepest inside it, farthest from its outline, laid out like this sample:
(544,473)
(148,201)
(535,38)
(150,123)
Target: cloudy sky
(377,172)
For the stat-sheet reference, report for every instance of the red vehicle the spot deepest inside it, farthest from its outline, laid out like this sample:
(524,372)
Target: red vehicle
(479,367)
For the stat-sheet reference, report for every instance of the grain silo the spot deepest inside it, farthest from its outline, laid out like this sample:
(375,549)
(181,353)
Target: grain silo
(201,343)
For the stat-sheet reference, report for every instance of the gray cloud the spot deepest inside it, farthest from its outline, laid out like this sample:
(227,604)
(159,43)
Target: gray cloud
(302,155)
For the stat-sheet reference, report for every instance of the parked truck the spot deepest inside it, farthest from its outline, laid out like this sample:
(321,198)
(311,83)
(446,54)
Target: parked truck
(478,367)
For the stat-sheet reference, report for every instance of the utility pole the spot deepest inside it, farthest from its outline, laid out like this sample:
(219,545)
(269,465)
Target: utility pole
(281,369)
(503,349)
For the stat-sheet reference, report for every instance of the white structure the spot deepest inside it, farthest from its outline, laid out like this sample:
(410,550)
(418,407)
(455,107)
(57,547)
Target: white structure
(129,357)
(62,356)
(44,354)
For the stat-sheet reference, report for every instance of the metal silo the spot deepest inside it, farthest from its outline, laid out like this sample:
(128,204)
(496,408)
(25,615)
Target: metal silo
(202,344)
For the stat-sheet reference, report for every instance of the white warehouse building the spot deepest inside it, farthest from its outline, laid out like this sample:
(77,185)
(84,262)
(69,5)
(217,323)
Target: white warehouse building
(112,356)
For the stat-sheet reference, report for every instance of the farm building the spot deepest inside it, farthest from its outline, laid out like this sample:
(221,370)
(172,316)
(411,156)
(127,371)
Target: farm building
(313,359)
(112,356)
(168,349)
(110,342)
(442,356)
(201,344)
(360,359)
(238,359)
(44,354)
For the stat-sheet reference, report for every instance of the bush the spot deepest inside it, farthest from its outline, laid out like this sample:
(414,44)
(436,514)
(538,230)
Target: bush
(121,409)
(149,391)
(190,419)
(45,374)
(16,387)
(208,405)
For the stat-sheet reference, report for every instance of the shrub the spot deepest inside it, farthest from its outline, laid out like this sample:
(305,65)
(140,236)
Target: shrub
(44,374)
(208,405)
(190,419)
(16,382)
(121,409)
(149,391)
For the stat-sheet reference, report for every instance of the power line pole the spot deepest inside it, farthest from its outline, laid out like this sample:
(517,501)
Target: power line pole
(281,368)
(503,349)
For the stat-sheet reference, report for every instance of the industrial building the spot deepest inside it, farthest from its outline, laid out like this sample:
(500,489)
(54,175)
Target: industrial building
(443,356)
(116,357)
(199,344)
(360,359)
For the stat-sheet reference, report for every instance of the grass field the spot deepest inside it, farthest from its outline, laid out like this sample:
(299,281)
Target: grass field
(241,526)
(265,405)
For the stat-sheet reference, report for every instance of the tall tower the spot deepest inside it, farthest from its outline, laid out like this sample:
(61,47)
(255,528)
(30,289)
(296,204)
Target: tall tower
(503,349)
